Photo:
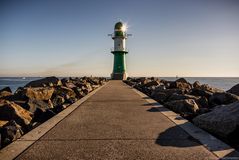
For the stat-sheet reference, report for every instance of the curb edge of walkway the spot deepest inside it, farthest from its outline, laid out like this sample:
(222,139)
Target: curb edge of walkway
(17,147)
(220,149)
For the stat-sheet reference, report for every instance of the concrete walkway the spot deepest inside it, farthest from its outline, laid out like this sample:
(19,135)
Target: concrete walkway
(116,123)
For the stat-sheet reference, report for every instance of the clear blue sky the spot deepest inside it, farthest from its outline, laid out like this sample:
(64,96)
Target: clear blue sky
(69,38)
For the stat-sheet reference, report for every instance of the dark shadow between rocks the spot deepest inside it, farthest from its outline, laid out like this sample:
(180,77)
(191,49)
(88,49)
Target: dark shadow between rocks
(153,109)
(146,98)
(150,104)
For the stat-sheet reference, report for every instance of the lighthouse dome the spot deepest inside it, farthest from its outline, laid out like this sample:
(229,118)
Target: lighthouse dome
(118,25)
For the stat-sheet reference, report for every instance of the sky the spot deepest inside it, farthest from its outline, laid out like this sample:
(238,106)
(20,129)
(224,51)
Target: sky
(186,38)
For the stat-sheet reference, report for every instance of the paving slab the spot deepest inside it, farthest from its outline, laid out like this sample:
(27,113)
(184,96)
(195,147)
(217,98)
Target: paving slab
(116,123)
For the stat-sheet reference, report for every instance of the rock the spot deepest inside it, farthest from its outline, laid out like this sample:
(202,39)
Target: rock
(142,80)
(208,88)
(2,123)
(202,102)
(130,83)
(40,93)
(71,100)
(183,106)
(234,90)
(11,111)
(79,92)
(19,95)
(8,89)
(58,100)
(64,80)
(182,80)
(48,81)
(11,131)
(181,84)
(166,83)
(161,95)
(200,92)
(196,84)
(34,104)
(86,88)
(176,96)
(223,98)
(152,83)
(69,85)
(221,121)
(204,90)
(93,81)
(5,94)
(64,92)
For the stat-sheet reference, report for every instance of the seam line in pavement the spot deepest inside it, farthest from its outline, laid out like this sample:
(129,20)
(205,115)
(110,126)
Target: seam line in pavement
(112,139)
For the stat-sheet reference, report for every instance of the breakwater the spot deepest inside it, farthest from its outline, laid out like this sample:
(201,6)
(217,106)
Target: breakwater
(38,101)
(210,108)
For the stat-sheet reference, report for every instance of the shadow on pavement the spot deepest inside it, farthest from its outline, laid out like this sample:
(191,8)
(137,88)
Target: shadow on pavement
(176,137)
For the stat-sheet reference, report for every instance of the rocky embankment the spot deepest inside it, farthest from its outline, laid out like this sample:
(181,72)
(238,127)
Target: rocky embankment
(209,108)
(38,101)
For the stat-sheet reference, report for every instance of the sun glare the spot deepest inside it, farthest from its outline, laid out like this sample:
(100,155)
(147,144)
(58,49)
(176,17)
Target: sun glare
(124,27)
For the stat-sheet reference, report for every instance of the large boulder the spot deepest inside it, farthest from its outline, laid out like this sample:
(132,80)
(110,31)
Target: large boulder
(69,85)
(11,131)
(182,80)
(142,80)
(161,94)
(211,89)
(64,91)
(48,81)
(201,92)
(183,106)
(12,111)
(19,95)
(86,88)
(2,123)
(176,96)
(152,83)
(222,121)
(33,104)
(202,102)
(5,94)
(79,92)
(58,100)
(39,93)
(204,90)
(223,98)
(181,84)
(196,84)
(8,89)
(234,90)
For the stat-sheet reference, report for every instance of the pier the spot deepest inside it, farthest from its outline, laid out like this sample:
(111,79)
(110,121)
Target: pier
(114,122)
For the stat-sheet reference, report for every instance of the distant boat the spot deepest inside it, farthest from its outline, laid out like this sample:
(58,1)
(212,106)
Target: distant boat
(23,77)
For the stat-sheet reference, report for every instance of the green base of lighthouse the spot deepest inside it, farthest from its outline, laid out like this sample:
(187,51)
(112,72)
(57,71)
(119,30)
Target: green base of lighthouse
(118,76)
(119,70)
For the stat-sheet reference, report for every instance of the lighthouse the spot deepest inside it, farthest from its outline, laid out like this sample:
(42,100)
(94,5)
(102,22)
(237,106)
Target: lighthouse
(119,51)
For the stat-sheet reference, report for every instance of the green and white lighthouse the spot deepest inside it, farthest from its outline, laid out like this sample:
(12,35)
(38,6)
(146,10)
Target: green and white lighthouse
(119,36)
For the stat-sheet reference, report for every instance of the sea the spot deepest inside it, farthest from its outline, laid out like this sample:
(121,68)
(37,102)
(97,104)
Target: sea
(224,83)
